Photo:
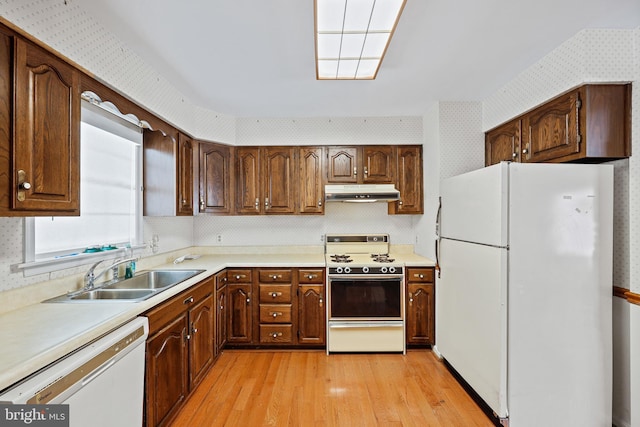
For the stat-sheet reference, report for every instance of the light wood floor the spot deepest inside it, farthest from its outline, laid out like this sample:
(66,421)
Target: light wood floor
(308,388)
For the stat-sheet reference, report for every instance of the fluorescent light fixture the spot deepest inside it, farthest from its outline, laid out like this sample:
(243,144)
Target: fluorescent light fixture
(352,37)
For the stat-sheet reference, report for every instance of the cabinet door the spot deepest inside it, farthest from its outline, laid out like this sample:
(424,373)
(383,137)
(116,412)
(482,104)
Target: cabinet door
(166,377)
(248,181)
(311,186)
(185,175)
(221,319)
(278,180)
(159,152)
(409,181)
(551,131)
(311,315)
(201,340)
(342,165)
(420,314)
(215,178)
(46,147)
(379,164)
(503,143)
(240,321)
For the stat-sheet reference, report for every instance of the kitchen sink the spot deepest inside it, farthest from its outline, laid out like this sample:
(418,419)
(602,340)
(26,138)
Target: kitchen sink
(154,279)
(111,294)
(138,288)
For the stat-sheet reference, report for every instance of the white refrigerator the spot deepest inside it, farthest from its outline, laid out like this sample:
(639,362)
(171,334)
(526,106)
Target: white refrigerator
(524,290)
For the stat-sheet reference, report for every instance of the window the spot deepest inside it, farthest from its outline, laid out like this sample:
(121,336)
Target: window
(110,195)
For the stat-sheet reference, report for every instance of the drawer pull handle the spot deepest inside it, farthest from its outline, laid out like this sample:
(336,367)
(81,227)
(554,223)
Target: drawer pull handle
(276,294)
(276,314)
(421,276)
(276,334)
(311,276)
(188,300)
(276,277)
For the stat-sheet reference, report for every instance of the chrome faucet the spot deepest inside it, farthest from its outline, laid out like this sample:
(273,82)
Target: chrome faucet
(90,278)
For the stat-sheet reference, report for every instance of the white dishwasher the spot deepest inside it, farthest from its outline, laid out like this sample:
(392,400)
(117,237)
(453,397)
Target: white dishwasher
(103,382)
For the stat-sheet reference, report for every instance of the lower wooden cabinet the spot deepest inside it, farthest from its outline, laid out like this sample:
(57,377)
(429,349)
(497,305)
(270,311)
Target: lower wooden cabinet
(179,351)
(221,312)
(420,308)
(239,319)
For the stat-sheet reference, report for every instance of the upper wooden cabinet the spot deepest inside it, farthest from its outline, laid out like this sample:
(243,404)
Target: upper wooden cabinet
(184,201)
(409,181)
(503,143)
(40,138)
(216,177)
(265,181)
(364,165)
(310,182)
(590,123)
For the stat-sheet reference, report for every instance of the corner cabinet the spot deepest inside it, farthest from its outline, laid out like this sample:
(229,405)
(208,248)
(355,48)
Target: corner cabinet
(591,123)
(215,178)
(42,153)
(409,181)
(420,306)
(179,351)
(167,173)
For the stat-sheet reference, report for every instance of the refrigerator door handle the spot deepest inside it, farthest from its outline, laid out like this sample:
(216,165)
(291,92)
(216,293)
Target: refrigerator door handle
(438,217)
(437,268)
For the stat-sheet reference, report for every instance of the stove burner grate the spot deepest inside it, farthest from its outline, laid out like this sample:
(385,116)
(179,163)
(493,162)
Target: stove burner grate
(381,258)
(341,258)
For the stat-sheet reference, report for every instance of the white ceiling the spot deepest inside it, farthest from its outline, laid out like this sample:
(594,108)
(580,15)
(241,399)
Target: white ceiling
(255,58)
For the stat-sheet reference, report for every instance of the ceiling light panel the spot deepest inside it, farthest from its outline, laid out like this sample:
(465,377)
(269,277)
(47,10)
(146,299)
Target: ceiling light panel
(352,36)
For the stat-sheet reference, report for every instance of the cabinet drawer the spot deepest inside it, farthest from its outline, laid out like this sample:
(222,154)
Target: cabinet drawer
(281,334)
(275,313)
(311,276)
(239,276)
(275,293)
(275,276)
(162,314)
(423,275)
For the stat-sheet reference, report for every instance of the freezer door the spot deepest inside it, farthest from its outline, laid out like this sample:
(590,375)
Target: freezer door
(474,206)
(471,322)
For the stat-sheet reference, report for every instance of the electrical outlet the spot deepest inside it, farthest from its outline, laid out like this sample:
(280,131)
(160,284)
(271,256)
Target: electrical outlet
(219,238)
(322,238)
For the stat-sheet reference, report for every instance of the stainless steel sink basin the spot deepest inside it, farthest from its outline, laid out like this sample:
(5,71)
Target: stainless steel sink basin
(114,294)
(138,288)
(154,279)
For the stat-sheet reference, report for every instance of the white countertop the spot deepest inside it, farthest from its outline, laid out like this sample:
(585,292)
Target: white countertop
(37,335)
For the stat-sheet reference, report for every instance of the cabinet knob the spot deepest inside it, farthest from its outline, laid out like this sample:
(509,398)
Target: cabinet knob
(421,276)
(276,314)
(248,300)
(221,307)
(276,294)
(410,297)
(188,300)
(257,204)
(237,277)
(201,203)
(276,334)
(266,203)
(194,330)
(525,151)
(400,202)
(355,171)
(275,277)
(320,302)
(366,172)
(311,276)
(25,186)
(319,203)
(514,155)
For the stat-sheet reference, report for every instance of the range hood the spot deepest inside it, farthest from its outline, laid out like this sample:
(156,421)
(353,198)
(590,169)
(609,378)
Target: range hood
(361,193)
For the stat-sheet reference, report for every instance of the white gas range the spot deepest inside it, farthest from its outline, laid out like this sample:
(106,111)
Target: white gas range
(365,294)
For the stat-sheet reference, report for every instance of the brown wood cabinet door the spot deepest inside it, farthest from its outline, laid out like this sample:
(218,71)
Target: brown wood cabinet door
(342,165)
(311,315)
(239,314)
(248,200)
(215,178)
(201,341)
(551,131)
(409,181)
(185,175)
(503,143)
(159,154)
(221,319)
(311,184)
(166,378)
(420,314)
(379,164)
(278,180)
(46,133)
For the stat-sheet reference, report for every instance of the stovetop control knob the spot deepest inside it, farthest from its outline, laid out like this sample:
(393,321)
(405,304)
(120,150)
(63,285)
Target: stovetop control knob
(365,269)
(392,269)
(383,269)
(339,270)
(347,270)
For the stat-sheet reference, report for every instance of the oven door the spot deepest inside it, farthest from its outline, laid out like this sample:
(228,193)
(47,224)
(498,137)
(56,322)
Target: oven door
(366,298)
